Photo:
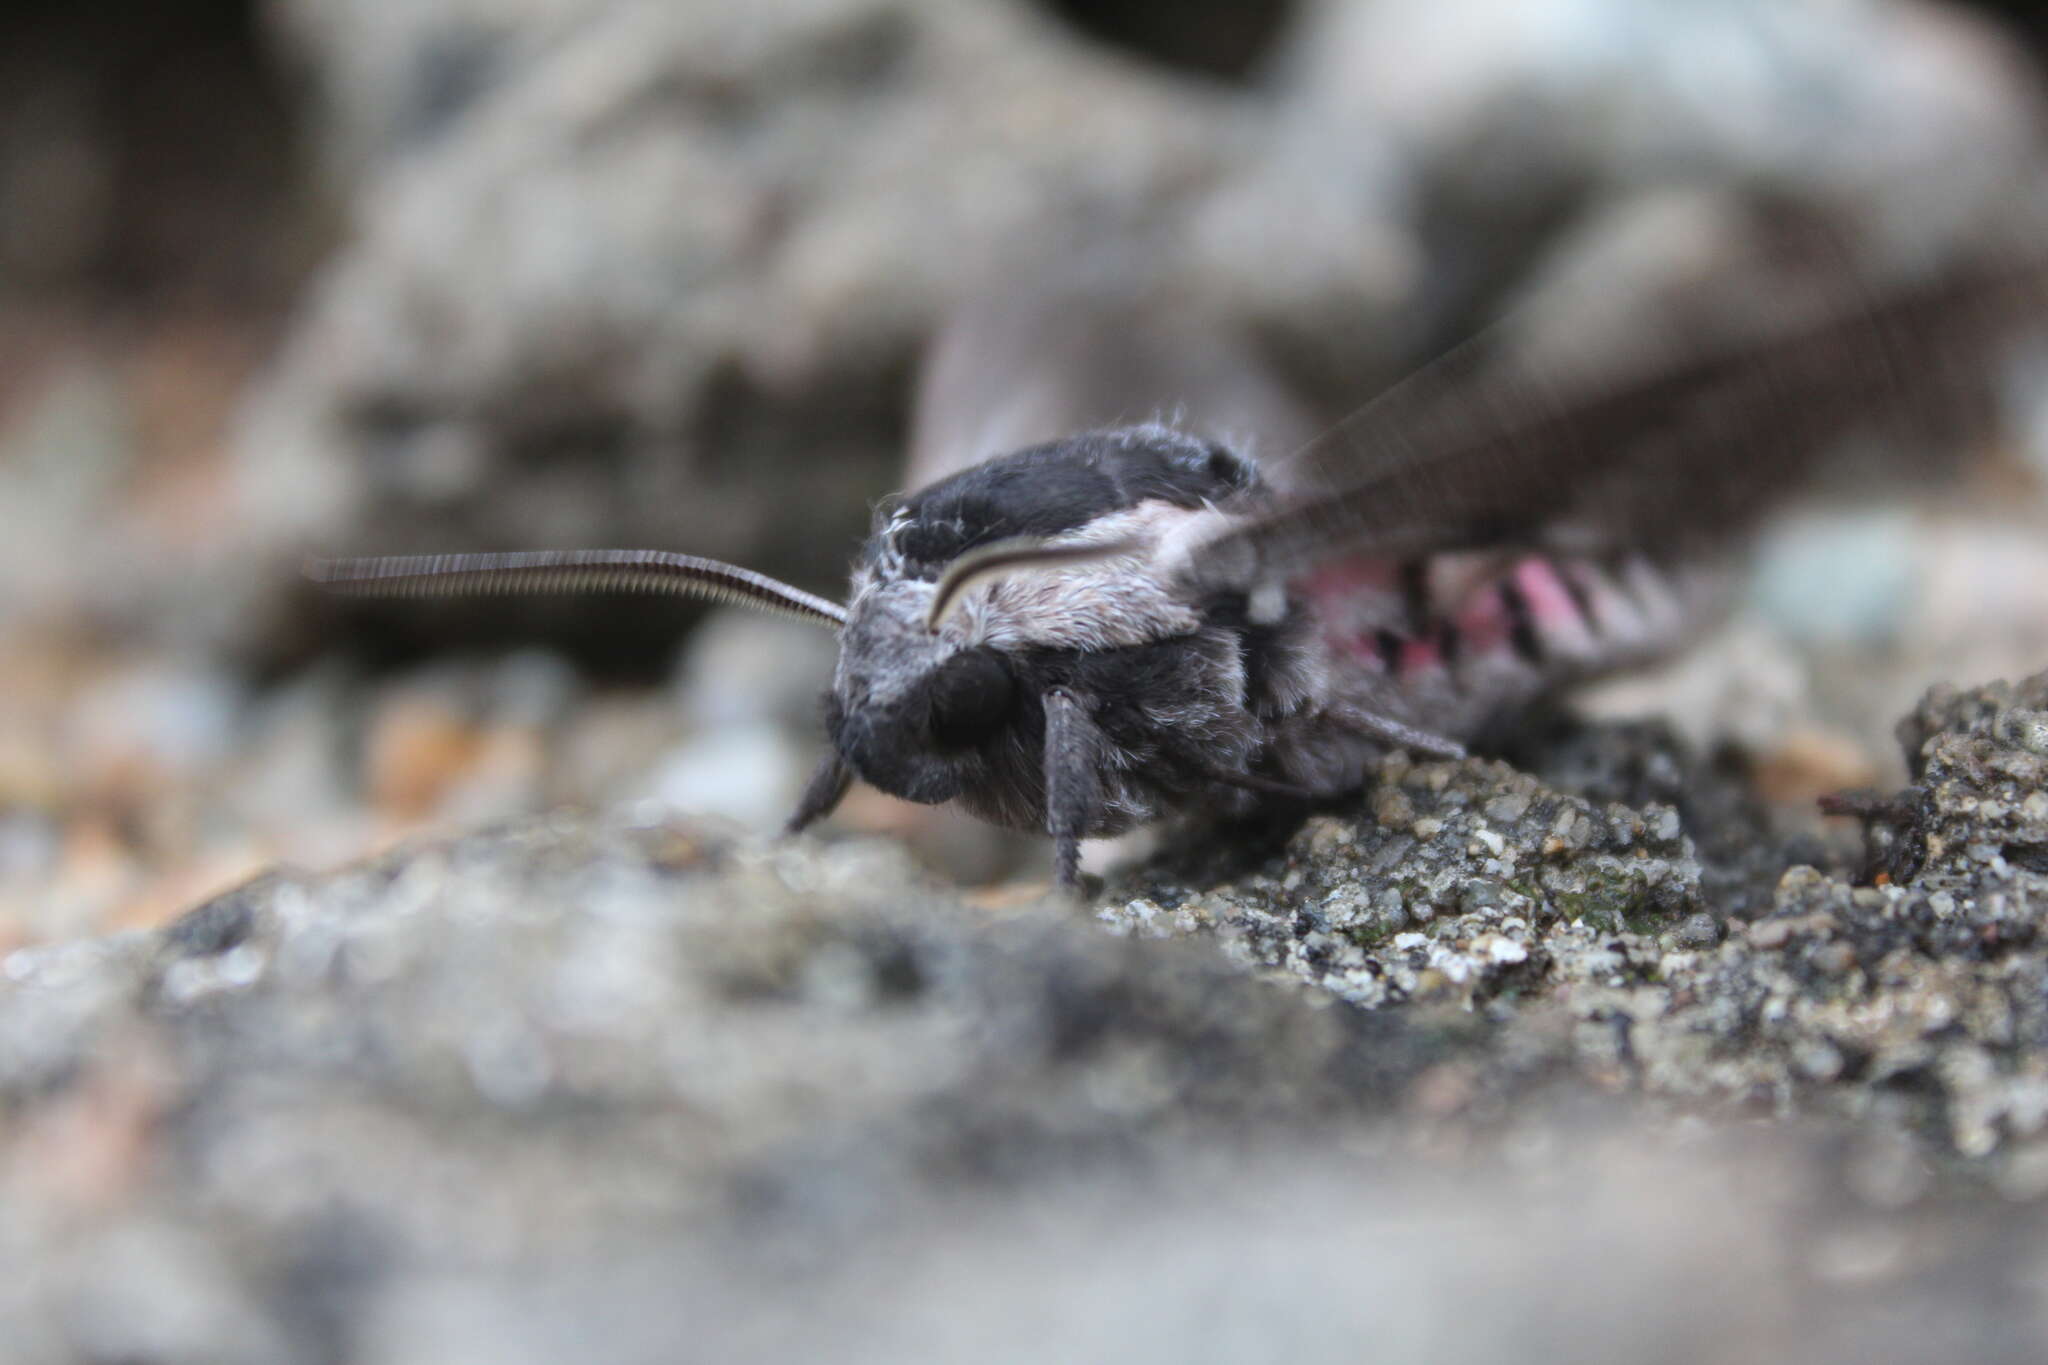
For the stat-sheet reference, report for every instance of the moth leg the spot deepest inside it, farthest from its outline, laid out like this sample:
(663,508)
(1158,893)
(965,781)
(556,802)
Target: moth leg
(1407,736)
(1073,782)
(823,792)
(1252,782)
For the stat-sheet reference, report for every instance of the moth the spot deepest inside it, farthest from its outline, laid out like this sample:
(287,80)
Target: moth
(1142,621)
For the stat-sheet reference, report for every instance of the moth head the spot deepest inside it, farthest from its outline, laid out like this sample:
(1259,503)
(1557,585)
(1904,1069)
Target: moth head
(959,623)
(913,707)
(937,677)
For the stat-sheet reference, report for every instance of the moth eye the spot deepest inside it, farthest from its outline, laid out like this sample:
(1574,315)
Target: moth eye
(1220,465)
(971,698)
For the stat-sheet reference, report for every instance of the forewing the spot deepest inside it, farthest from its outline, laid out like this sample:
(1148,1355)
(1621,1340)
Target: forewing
(1500,445)
(1077,340)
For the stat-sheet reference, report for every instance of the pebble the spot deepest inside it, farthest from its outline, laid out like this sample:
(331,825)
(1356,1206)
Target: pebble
(1392,808)
(748,773)
(2024,727)
(1836,959)
(1697,931)
(418,749)
(155,723)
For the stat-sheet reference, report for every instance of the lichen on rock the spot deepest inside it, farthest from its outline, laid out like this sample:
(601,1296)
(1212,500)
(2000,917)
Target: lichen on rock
(1920,1002)
(1455,881)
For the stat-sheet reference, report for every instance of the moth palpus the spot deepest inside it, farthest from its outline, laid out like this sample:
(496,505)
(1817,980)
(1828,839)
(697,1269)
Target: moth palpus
(1137,622)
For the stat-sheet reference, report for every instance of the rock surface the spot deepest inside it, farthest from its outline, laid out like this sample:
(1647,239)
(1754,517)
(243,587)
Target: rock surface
(1462,881)
(1919,1002)
(1472,1069)
(550,1043)
(476,1094)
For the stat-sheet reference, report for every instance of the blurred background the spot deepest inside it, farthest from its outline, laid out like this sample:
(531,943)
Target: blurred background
(342,275)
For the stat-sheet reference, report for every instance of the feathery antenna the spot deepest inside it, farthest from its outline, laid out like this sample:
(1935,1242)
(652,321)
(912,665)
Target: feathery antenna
(572,571)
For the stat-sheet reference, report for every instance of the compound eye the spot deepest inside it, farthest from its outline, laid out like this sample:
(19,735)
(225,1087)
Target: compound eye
(971,698)
(1223,468)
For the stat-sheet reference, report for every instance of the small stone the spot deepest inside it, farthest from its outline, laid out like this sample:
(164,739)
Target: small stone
(1433,981)
(1798,881)
(1817,1059)
(1392,809)
(1834,958)
(1324,836)
(1507,808)
(1478,894)
(419,747)
(1770,933)
(1697,931)
(1500,950)
(2024,728)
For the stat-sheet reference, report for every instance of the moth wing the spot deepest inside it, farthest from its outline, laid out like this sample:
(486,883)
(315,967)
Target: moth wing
(1514,442)
(1083,339)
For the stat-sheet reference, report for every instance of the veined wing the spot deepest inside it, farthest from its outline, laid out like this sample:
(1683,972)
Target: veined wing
(1503,446)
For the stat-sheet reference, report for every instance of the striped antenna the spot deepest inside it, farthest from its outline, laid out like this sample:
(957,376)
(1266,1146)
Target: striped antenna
(1017,555)
(572,571)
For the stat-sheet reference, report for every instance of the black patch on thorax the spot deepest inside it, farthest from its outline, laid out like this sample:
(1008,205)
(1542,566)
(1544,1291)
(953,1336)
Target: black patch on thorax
(1061,486)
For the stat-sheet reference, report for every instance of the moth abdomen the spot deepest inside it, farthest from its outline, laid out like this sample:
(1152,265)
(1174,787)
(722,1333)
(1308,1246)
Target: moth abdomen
(1563,614)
